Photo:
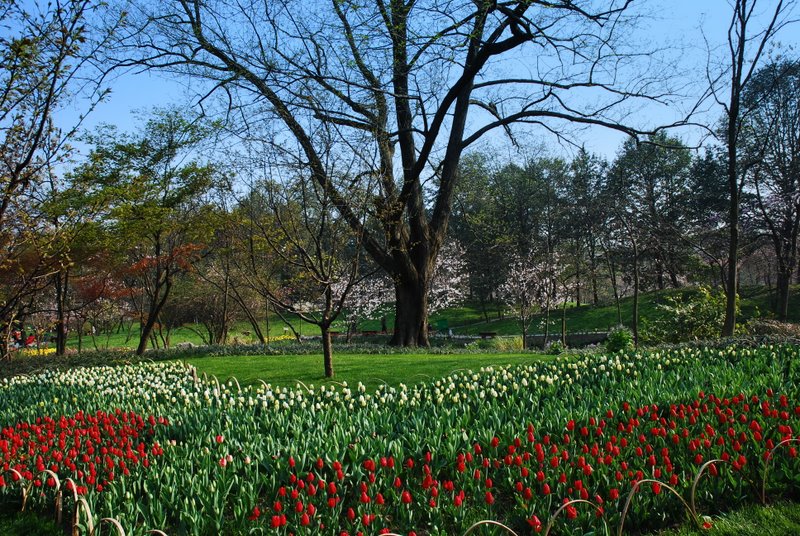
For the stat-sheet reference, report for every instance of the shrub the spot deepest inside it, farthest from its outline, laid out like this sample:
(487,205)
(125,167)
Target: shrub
(619,338)
(507,344)
(694,315)
(554,347)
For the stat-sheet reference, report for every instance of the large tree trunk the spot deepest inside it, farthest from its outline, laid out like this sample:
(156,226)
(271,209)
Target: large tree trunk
(411,313)
(782,304)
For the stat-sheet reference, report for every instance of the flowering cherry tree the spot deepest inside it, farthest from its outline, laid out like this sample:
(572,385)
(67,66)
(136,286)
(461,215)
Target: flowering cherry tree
(367,299)
(530,287)
(450,282)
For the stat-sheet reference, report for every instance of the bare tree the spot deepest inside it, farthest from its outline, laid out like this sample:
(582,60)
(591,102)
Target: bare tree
(747,43)
(318,252)
(410,85)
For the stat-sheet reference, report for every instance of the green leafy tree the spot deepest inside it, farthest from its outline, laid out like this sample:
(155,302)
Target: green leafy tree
(477,225)
(584,212)
(159,214)
(708,206)
(654,178)
(772,132)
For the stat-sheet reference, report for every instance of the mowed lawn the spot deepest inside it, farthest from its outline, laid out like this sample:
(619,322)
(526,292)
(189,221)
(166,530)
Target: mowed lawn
(371,370)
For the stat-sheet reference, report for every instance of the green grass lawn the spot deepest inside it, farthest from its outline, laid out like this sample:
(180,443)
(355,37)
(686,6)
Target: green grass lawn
(782,519)
(753,300)
(240,332)
(371,370)
(16,523)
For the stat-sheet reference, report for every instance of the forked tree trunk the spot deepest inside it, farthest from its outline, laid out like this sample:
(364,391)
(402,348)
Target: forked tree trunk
(152,318)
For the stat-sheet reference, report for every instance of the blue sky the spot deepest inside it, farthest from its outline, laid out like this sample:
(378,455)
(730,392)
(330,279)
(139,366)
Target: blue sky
(674,22)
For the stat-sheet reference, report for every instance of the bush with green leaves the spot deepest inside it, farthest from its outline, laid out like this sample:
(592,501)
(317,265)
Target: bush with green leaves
(555,348)
(619,338)
(501,344)
(697,314)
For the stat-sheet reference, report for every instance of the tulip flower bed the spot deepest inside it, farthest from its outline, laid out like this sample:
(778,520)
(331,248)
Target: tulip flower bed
(88,449)
(513,444)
